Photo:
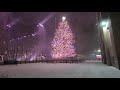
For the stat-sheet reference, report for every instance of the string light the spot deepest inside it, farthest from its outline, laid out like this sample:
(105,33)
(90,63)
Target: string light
(22,37)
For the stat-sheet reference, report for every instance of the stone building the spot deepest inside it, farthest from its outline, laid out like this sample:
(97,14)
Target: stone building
(109,34)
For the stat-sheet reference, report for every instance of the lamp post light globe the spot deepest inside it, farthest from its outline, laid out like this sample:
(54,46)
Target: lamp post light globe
(105,23)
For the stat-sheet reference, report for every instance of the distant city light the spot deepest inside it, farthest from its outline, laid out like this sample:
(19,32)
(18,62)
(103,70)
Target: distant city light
(8,26)
(99,50)
(98,56)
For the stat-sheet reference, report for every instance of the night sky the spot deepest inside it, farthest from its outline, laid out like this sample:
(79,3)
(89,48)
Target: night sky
(83,25)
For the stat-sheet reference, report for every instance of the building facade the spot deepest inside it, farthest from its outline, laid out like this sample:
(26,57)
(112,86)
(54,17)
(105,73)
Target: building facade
(108,26)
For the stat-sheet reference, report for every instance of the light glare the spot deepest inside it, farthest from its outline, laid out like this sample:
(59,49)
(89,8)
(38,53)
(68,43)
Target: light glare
(63,18)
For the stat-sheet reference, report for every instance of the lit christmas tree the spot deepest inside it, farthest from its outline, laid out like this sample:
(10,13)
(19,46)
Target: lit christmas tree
(62,44)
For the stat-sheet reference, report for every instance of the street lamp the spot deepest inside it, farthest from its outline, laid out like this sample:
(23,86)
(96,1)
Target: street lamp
(105,23)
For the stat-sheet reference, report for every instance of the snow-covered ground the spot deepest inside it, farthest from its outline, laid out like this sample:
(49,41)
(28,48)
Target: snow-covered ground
(59,70)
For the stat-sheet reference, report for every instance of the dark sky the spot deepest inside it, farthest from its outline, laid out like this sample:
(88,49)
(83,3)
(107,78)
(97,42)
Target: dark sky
(83,25)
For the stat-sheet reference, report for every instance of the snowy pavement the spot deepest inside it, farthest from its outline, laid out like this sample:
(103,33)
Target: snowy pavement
(59,70)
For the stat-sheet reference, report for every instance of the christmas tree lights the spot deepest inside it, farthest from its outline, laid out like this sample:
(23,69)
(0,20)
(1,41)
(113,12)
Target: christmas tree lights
(63,42)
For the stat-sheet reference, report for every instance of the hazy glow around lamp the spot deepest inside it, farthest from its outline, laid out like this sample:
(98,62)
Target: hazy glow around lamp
(105,23)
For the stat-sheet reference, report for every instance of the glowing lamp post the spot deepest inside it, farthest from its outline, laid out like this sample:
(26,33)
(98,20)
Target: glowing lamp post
(104,24)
